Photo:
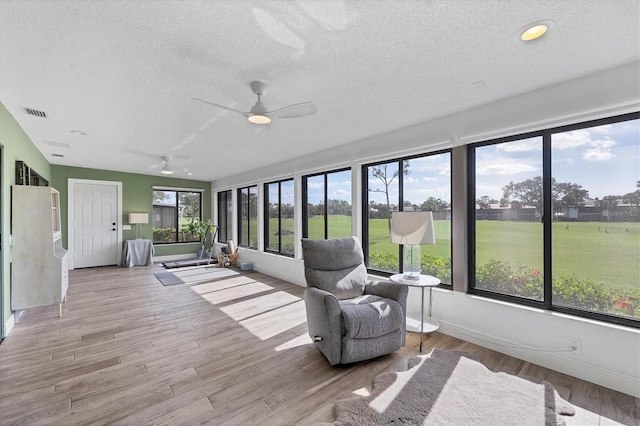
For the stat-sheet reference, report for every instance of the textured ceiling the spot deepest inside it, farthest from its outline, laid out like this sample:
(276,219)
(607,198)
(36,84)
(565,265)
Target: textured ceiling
(125,72)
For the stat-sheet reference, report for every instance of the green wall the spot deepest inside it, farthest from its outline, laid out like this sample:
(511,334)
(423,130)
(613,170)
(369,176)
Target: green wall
(17,147)
(136,193)
(136,197)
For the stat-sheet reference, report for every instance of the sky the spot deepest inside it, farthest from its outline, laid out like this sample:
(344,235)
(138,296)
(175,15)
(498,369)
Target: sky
(338,187)
(428,177)
(604,160)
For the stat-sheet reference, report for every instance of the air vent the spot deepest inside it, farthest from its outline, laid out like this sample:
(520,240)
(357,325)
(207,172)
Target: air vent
(58,144)
(57,155)
(35,112)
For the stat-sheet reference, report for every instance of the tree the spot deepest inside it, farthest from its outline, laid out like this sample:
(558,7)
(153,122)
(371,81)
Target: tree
(608,204)
(160,196)
(386,178)
(529,193)
(190,203)
(483,202)
(568,195)
(341,207)
(526,193)
(434,204)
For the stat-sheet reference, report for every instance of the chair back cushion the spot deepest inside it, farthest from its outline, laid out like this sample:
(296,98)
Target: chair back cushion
(335,265)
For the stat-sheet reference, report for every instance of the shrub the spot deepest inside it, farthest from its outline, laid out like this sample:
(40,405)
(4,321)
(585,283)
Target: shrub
(627,302)
(499,276)
(161,235)
(570,291)
(383,261)
(436,266)
(582,293)
(431,265)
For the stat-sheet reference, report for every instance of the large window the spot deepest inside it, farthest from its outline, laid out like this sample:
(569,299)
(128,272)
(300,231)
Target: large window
(327,205)
(421,183)
(278,211)
(173,210)
(225,212)
(248,217)
(556,222)
(508,213)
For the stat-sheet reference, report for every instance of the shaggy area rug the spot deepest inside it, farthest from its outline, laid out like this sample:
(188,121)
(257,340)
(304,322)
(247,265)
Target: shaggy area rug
(454,388)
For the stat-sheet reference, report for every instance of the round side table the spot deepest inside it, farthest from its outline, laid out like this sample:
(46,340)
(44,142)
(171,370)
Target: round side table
(424,325)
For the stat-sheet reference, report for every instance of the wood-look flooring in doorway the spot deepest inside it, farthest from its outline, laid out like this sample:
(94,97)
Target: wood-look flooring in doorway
(223,348)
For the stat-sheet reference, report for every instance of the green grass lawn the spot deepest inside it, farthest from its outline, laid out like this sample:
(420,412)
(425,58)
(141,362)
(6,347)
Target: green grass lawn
(610,255)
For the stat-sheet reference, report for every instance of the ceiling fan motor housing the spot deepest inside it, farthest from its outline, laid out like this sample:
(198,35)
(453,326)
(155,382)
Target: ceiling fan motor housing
(258,87)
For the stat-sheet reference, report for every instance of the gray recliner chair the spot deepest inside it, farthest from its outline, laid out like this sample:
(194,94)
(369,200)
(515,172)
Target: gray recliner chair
(350,318)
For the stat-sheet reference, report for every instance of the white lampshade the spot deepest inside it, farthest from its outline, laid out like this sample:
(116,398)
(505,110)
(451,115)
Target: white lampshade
(135,218)
(412,228)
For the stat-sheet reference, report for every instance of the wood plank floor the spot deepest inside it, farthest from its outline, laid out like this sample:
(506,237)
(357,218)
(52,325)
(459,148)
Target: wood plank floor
(223,348)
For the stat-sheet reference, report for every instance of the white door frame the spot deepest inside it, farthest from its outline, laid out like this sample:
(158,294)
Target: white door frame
(71,183)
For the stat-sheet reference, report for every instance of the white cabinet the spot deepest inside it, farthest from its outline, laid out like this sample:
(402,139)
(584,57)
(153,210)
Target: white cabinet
(39,272)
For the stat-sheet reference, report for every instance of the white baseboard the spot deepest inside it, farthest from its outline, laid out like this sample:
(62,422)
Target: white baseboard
(8,326)
(551,360)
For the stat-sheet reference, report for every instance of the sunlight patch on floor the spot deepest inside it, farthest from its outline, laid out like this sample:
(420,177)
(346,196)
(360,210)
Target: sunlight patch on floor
(258,305)
(362,392)
(274,322)
(221,284)
(205,274)
(236,292)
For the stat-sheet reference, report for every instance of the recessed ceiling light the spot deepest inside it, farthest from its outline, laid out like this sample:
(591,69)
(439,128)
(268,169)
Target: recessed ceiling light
(78,132)
(535,30)
(189,173)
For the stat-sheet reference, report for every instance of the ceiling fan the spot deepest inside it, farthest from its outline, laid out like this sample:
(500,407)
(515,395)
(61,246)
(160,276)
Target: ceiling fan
(259,114)
(166,170)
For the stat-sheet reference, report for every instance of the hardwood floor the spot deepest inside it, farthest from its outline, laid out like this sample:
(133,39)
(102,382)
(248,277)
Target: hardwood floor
(224,348)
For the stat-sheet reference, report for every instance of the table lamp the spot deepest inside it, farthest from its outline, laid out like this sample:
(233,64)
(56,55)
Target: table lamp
(138,219)
(412,229)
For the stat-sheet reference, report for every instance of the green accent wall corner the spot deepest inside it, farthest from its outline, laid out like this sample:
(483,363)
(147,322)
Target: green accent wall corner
(136,198)
(17,146)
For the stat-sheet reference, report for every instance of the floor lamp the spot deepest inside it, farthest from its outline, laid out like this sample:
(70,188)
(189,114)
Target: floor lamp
(138,219)
(412,229)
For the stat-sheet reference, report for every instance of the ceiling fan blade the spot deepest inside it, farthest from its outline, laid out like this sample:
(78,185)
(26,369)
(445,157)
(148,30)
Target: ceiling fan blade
(246,114)
(295,110)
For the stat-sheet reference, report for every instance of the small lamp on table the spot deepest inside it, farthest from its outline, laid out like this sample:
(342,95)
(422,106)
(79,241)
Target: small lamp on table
(412,229)
(138,219)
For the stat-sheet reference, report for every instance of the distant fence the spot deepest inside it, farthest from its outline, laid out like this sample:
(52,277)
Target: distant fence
(527,214)
(584,214)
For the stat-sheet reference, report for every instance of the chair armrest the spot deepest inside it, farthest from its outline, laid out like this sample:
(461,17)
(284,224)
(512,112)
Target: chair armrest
(388,289)
(391,290)
(324,320)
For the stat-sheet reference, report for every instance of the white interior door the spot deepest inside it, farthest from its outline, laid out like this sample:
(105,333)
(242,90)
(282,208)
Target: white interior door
(95,224)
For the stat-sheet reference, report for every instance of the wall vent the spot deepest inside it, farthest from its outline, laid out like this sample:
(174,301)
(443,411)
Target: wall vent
(35,112)
(58,144)
(57,155)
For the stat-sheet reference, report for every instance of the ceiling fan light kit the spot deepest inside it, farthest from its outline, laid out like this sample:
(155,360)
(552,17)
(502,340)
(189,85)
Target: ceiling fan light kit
(259,119)
(259,114)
